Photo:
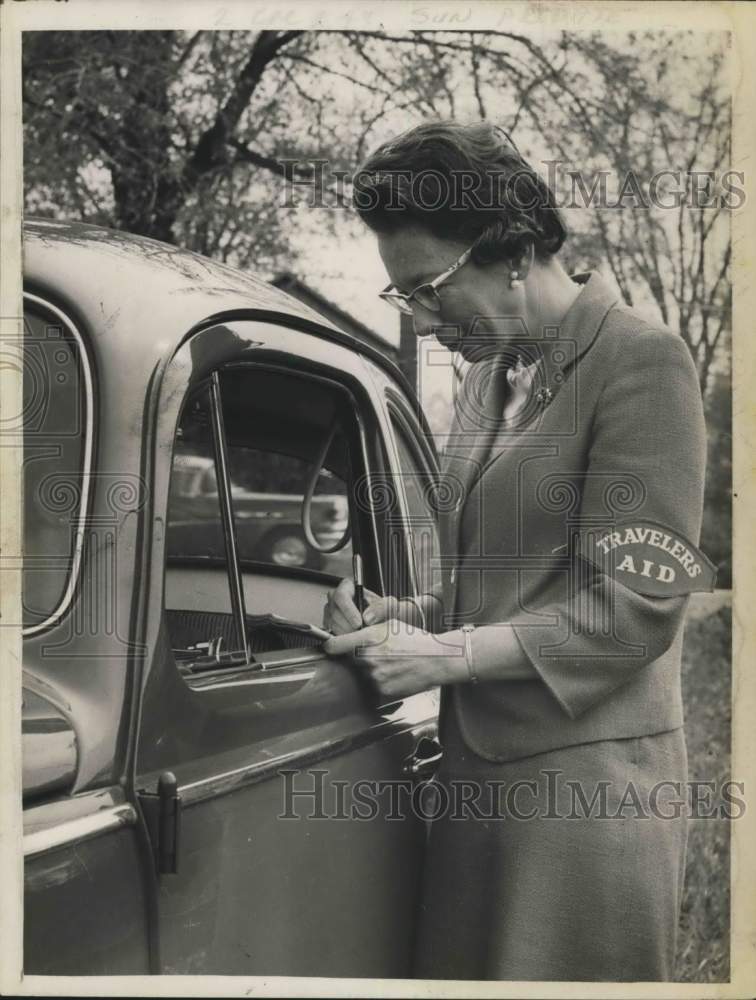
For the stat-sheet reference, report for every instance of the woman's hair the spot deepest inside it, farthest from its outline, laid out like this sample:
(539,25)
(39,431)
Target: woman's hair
(466,183)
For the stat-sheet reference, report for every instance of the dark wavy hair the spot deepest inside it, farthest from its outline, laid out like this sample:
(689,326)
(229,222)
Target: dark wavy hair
(466,183)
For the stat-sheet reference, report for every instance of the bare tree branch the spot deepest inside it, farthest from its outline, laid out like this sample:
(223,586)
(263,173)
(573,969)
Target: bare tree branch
(188,49)
(211,146)
(475,63)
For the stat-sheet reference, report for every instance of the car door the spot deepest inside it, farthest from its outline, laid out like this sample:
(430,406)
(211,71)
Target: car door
(282,794)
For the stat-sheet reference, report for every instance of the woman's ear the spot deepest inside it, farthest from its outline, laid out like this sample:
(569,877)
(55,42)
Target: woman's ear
(520,266)
(525,260)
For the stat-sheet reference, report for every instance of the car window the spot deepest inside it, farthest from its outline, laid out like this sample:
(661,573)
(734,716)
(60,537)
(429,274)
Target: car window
(291,451)
(57,447)
(267,490)
(198,597)
(418,483)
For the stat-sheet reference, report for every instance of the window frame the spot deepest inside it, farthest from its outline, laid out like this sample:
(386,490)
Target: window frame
(336,386)
(403,421)
(85,475)
(212,380)
(398,407)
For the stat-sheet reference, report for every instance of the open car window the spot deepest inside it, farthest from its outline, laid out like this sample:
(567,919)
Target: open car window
(282,532)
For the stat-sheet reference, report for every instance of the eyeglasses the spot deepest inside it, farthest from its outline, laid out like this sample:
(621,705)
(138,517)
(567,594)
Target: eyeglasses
(426,295)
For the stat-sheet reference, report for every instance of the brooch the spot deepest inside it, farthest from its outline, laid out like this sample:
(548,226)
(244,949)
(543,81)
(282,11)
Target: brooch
(544,396)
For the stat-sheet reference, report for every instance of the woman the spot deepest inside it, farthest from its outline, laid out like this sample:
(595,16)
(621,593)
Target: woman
(577,452)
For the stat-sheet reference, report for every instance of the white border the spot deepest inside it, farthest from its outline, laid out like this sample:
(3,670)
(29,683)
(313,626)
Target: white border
(515,15)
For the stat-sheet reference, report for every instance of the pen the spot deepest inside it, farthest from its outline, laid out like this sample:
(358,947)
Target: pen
(359,592)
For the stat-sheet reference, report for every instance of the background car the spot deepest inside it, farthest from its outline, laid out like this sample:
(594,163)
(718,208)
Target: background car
(268,521)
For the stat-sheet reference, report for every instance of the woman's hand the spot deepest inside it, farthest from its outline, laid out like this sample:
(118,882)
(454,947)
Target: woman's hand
(341,615)
(400,659)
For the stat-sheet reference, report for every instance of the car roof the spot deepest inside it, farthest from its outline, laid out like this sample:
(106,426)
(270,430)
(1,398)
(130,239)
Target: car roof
(112,280)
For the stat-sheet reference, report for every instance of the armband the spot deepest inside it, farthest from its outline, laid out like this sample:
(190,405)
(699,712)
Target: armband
(649,559)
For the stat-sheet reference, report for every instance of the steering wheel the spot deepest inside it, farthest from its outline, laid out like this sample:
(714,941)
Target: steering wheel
(309,493)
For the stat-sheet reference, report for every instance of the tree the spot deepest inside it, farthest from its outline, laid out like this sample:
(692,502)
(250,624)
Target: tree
(196,138)
(669,241)
(137,130)
(716,533)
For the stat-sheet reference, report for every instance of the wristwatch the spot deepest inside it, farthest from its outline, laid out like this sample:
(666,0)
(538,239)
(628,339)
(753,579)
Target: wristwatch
(467,631)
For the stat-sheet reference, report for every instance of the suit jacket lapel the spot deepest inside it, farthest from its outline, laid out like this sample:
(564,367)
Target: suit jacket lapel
(557,354)
(478,412)
(476,421)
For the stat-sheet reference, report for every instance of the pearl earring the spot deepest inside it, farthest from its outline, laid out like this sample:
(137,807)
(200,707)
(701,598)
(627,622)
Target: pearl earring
(514,279)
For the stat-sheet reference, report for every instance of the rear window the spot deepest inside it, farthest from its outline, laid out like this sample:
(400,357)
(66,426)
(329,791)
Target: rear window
(57,441)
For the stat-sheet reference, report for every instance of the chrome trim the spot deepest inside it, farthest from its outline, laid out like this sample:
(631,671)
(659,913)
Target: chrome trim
(257,678)
(227,513)
(72,820)
(293,658)
(75,563)
(417,765)
(256,672)
(368,483)
(49,750)
(249,774)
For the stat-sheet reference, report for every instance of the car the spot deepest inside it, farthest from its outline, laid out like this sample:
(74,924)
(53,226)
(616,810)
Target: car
(204,458)
(268,522)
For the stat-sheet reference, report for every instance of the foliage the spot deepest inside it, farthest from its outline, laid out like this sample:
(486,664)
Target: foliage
(716,532)
(703,952)
(654,151)
(130,129)
(203,139)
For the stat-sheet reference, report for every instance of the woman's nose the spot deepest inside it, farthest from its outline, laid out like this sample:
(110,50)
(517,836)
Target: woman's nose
(420,327)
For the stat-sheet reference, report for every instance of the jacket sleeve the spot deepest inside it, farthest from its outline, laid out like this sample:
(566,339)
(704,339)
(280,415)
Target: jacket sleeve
(648,430)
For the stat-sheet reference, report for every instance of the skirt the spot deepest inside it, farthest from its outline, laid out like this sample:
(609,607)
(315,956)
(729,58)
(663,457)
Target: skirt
(566,865)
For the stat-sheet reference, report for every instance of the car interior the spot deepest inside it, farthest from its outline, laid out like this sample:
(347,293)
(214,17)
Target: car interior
(291,445)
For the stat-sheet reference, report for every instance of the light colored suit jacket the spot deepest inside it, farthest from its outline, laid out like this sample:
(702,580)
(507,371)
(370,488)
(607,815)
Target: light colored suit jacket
(616,432)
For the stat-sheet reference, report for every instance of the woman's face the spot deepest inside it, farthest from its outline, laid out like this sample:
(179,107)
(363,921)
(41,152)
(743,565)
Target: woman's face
(476,301)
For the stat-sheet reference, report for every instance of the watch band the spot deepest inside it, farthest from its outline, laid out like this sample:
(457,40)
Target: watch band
(467,631)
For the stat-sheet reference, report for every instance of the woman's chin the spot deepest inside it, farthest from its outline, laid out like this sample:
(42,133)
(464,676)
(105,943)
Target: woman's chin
(473,345)
(451,341)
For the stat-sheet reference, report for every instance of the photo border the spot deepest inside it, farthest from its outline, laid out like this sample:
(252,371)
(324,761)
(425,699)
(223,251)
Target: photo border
(740,20)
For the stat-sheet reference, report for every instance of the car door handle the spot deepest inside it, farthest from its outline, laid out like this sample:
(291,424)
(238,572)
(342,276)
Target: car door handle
(425,757)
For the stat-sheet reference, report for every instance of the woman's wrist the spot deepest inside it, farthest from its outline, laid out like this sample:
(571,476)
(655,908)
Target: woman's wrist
(494,654)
